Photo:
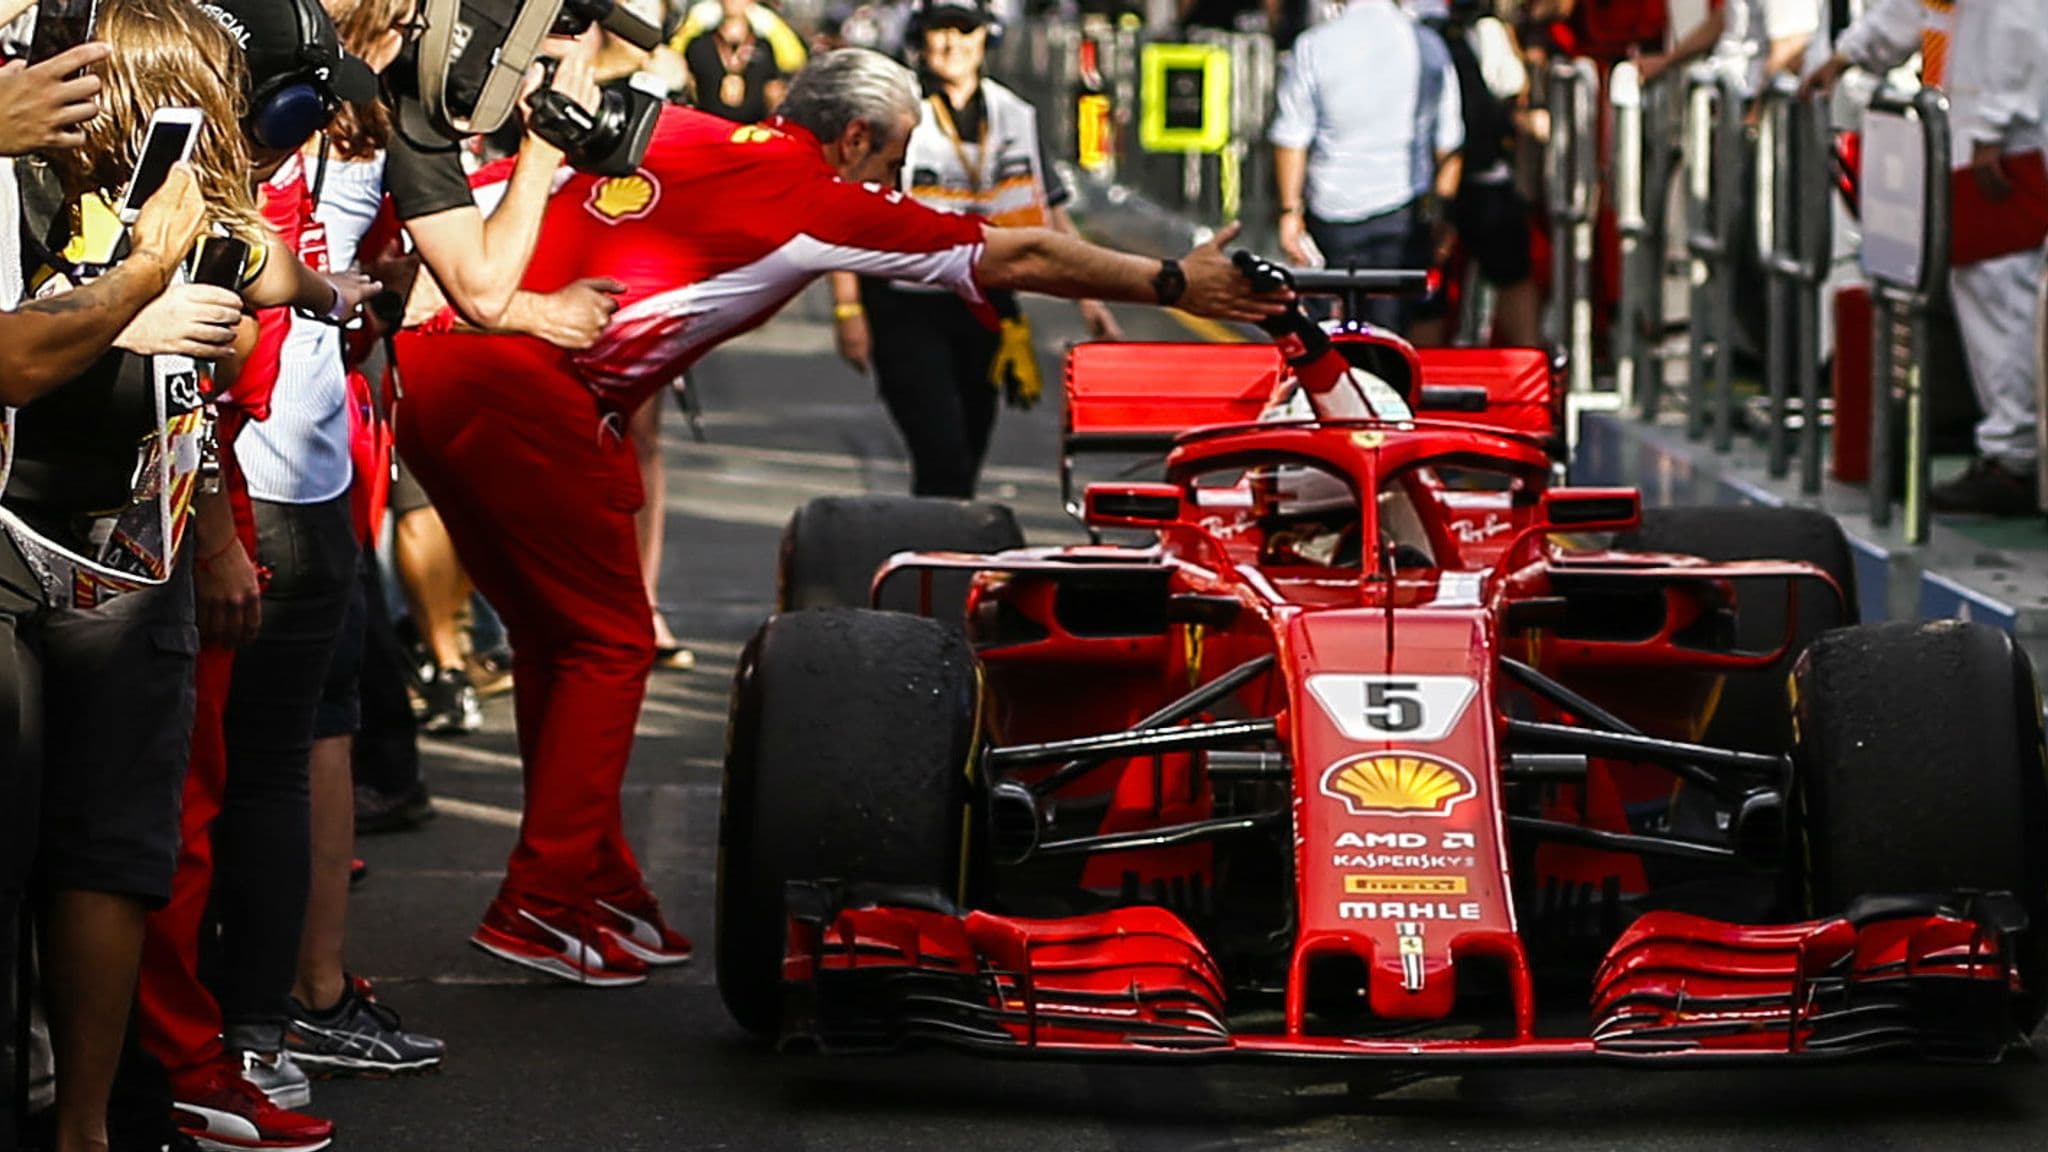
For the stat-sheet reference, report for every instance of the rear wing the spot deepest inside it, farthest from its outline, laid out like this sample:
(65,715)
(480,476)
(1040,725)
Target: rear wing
(1132,398)
(1519,385)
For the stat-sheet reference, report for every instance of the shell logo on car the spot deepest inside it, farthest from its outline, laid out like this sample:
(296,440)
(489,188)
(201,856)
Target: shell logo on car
(1397,784)
(616,199)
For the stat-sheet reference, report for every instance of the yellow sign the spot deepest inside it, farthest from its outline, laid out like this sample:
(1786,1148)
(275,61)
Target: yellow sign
(1184,98)
(1397,784)
(1091,116)
(1404,885)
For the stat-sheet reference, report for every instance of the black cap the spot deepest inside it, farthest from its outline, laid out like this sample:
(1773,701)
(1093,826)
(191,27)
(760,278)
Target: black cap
(293,37)
(974,13)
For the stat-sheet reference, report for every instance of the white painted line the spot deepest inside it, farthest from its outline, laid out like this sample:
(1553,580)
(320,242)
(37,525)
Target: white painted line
(481,813)
(1036,477)
(450,750)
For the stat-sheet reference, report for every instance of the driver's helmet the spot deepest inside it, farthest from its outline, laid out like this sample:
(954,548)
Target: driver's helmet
(1304,491)
(1297,490)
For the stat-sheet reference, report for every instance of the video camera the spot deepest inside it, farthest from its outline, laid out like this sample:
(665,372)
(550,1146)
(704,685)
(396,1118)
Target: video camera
(467,68)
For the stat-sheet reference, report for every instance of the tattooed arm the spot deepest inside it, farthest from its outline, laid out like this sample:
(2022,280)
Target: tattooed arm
(49,342)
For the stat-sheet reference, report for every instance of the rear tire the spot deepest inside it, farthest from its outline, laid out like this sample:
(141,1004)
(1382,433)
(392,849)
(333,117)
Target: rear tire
(847,758)
(834,545)
(1919,768)
(1752,712)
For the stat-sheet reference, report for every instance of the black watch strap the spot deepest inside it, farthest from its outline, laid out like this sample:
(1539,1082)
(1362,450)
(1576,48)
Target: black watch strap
(1170,284)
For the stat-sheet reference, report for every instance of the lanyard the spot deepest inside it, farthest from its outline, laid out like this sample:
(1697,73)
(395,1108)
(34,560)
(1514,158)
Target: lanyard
(944,115)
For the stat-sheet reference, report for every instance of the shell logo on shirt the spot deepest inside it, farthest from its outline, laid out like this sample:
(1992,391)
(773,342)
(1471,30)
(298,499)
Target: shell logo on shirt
(617,199)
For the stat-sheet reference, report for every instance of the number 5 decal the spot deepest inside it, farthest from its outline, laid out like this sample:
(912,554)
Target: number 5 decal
(1413,708)
(1393,706)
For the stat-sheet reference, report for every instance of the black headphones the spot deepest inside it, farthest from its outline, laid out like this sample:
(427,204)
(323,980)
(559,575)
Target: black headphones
(291,103)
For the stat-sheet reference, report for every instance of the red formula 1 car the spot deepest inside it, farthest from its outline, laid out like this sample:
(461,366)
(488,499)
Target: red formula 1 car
(1377,744)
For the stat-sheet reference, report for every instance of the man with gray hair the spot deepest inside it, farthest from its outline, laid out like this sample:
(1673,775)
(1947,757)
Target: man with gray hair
(517,442)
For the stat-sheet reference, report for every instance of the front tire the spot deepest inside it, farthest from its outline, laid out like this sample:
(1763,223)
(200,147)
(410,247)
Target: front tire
(1919,769)
(848,755)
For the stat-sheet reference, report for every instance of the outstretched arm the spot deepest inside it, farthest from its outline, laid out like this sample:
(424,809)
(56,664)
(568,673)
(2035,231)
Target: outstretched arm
(1041,260)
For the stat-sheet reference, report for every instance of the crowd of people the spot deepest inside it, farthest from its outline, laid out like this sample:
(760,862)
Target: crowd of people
(1416,159)
(204,692)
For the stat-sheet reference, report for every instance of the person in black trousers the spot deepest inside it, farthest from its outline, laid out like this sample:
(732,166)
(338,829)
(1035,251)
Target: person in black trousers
(938,362)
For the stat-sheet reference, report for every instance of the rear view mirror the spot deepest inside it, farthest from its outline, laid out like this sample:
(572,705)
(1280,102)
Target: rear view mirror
(1131,505)
(1592,509)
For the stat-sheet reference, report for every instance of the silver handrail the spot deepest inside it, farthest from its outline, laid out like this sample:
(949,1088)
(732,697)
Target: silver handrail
(1905,293)
(1715,97)
(1794,238)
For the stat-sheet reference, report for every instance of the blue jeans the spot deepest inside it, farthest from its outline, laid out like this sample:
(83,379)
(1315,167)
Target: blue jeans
(1390,240)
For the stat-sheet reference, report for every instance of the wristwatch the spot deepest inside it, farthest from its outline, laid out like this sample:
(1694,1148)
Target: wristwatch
(1170,284)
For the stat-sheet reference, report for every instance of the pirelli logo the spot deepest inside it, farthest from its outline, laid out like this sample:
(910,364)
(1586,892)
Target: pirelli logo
(1404,885)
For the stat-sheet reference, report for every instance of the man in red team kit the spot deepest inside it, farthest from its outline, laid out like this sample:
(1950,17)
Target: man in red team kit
(519,443)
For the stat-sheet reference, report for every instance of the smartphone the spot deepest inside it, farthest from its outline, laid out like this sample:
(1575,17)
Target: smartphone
(219,261)
(172,132)
(62,25)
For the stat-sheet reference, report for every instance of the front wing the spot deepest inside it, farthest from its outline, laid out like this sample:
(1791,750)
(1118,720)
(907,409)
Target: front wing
(1911,977)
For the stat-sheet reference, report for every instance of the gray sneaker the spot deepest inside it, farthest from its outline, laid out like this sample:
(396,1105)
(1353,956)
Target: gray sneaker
(277,1077)
(359,1037)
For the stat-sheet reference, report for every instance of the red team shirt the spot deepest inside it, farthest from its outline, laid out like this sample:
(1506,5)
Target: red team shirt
(721,225)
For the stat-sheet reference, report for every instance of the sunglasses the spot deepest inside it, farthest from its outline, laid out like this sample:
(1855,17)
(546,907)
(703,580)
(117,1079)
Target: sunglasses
(413,26)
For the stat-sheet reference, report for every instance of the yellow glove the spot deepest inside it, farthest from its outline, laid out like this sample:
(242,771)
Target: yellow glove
(1015,368)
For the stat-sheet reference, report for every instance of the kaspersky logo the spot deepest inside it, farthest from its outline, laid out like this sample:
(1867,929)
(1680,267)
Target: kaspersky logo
(1397,784)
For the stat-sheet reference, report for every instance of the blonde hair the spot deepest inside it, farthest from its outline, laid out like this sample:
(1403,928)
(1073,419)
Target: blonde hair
(360,130)
(169,53)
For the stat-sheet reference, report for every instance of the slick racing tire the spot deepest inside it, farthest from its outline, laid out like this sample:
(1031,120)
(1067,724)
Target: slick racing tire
(834,544)
(1751,712)
(1919,769)
(847,758)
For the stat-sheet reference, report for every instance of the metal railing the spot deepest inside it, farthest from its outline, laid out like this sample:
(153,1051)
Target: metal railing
(1905,210)
(1646,153)
(1794,231)
(1572,173)
(1713,204)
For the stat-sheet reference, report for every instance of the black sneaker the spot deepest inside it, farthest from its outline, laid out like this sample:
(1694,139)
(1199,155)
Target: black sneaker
(378,811)
(1987,488)
(358,1037)
(452,705)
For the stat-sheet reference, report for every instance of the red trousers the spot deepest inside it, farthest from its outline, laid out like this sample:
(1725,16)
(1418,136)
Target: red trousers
(176,1016)
(538,497)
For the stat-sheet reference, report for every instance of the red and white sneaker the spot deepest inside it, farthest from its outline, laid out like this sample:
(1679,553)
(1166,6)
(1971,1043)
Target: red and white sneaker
(229,1114)
(566,945)
(636,924)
